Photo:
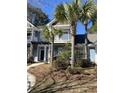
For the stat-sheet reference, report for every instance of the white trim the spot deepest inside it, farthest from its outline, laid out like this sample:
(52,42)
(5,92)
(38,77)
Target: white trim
(39,53)
(32,34)
(30,24)
(65,26)
(51,22)
(45,53)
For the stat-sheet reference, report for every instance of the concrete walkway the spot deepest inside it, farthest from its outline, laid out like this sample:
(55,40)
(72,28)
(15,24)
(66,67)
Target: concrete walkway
(31,79)
(34,64)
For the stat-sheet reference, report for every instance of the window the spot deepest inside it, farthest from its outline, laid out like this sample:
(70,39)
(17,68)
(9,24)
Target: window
(36,33)
(65,36)
(28,36)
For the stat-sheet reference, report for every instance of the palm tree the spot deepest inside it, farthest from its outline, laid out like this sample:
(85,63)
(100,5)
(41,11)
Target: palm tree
(94,22)
(87,15)
(68,13)
(50,33)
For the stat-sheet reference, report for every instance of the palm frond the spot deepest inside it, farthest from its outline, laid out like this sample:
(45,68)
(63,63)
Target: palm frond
(46,32)
(88,11)
(50,33)
(57,31)
(60,13)
(93,28)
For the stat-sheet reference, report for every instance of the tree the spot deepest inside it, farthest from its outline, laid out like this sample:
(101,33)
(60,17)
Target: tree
(36,16)
(68,13)
(50,33)
(88,13)
(94,22)
(93,28)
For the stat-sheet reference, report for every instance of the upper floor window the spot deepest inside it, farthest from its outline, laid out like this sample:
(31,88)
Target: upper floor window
(36,34)
(28,34)
(65,36)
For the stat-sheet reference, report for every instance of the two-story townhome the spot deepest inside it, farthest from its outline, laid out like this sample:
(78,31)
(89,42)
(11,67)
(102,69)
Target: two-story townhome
(60,41)
(35,43)
(32,40)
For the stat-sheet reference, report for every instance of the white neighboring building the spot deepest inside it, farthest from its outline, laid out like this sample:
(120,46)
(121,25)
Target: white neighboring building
(36,47)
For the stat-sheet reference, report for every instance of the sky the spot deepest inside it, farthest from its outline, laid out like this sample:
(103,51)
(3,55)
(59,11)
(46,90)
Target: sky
(48,6)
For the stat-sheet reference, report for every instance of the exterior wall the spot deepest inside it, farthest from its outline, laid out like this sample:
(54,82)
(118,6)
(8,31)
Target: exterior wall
(36,36)
(59,41)
(66,37)
(33,35)
(29,36)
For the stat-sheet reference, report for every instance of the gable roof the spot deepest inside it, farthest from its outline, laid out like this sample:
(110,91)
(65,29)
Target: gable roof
(55,22)
(51,22)
(31,26)
(92,37)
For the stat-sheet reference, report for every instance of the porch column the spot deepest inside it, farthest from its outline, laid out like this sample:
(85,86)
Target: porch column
(31,45)
(31,51)
(49,53)
(84,52)
(37,52)
(45,53)
(32,34)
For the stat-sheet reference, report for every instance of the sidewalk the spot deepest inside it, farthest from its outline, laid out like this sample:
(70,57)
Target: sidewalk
(31,79)
(34,64)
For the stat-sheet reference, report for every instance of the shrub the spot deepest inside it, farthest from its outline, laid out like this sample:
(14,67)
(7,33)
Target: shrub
(60,64)
(77,63)
(62,61)
(75,70)
(83,63)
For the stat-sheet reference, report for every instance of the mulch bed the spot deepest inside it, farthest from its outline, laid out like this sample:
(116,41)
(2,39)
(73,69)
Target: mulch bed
(87,79)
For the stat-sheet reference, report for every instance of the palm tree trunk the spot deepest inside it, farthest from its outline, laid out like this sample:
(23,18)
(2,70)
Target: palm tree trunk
(72,46)
(86,44)
(52,51)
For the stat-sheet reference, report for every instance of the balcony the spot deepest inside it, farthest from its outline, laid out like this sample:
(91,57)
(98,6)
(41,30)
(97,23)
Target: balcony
(62,39)
(35,39)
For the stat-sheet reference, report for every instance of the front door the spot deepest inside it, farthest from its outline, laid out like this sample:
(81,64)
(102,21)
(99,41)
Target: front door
(42,55)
